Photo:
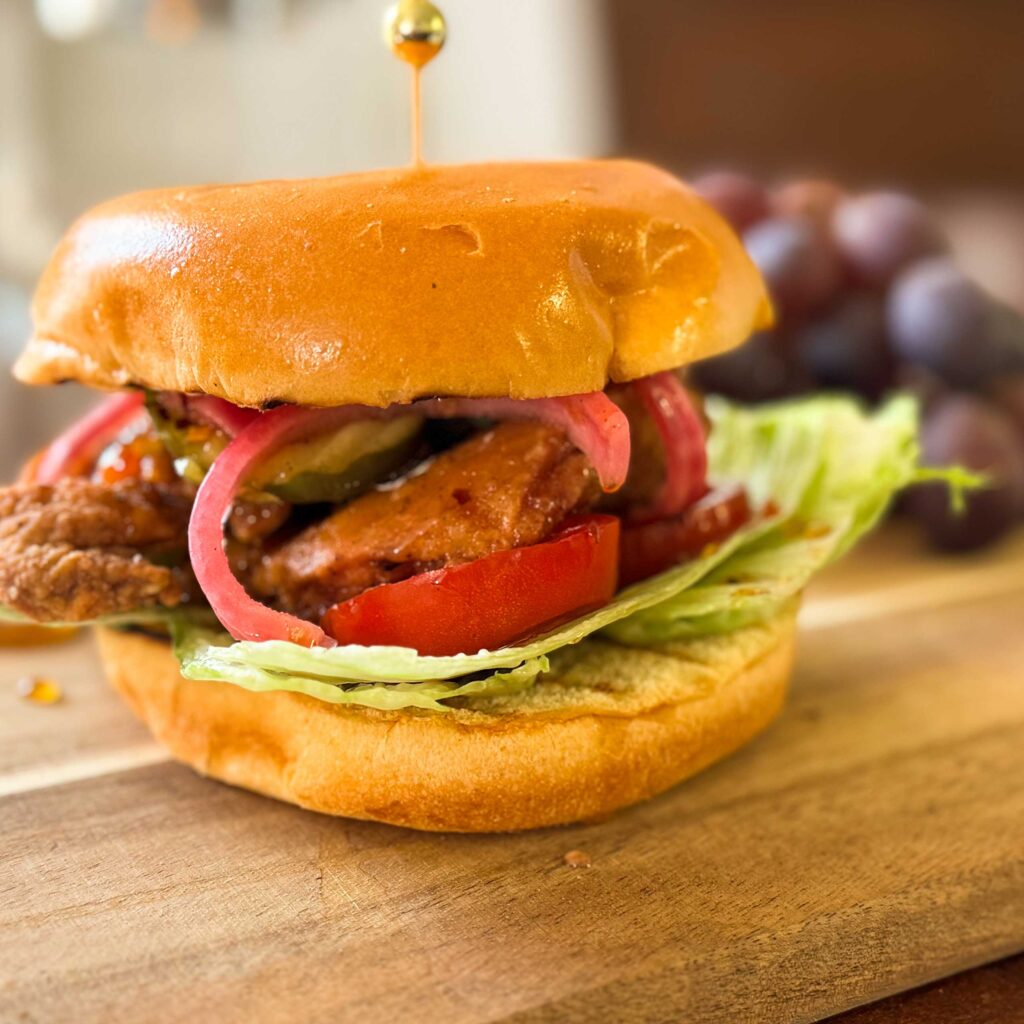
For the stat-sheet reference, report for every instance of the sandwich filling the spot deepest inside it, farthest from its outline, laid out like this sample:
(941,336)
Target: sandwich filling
(445,544)
(296,519)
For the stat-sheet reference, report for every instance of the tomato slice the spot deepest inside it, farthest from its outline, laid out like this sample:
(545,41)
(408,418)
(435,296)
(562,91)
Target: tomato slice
(651,548)
(491,602)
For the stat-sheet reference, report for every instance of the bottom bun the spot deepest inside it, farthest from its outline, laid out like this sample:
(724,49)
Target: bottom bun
(608,727)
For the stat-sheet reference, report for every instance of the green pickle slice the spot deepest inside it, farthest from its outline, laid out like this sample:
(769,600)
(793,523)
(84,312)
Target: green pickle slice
(342,465)
(333,468)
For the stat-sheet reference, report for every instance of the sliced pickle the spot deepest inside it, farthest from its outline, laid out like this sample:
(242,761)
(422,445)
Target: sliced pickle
(332,468)
(309,485)
(194,446)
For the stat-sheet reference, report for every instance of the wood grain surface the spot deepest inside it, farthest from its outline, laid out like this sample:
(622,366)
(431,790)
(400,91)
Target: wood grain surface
(871,841)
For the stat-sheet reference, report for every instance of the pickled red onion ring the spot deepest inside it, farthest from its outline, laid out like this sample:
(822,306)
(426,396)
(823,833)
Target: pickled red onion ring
(86,438)
(228,418)
(683,443)
(593,422)
(241,615)
(220,413)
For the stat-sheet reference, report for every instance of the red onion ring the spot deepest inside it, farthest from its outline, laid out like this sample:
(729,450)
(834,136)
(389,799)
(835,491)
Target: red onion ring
(86,438)
(241,615)
(593,422)
(228,418)
(683,443)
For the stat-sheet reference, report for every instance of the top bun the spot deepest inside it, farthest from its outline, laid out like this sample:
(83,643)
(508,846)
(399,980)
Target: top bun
(523,280)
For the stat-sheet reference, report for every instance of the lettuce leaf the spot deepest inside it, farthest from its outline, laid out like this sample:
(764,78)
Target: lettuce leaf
(196,649)
(829,467)
(851,466)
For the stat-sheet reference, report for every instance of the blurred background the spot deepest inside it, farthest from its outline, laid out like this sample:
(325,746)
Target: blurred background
(825,110)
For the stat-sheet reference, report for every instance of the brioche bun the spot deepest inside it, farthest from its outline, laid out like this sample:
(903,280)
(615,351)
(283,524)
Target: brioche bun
(609,726)
(519,280)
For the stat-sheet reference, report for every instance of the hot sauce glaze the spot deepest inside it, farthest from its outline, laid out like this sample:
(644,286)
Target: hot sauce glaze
(142,458)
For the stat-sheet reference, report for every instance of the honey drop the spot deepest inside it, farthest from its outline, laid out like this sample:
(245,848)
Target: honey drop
(415,31)
(39,690)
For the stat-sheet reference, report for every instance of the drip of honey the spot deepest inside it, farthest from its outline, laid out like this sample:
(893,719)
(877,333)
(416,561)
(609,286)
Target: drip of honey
(415,30)
(39,690)
(578,859)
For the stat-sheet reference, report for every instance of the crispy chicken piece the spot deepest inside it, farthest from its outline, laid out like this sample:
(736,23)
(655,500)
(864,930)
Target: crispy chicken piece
(76,550)
(505,488)
(252,522)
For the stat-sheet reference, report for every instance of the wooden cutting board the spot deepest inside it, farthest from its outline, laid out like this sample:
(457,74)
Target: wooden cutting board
(871,840)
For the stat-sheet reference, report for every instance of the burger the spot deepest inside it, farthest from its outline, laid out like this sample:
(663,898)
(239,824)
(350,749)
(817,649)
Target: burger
(400,507)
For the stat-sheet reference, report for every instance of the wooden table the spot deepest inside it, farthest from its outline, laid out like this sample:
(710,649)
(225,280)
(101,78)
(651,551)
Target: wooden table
(871,841)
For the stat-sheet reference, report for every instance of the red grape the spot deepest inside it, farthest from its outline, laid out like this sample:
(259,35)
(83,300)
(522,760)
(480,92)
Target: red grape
(1007,332)
(1009,396)
(759,371)
(880,233)
(848,350)
(964,430)
(797,261)
(740,199)
(941,319)
(811,198)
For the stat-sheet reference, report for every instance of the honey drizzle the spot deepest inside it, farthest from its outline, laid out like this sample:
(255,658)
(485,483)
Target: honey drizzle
(415,31)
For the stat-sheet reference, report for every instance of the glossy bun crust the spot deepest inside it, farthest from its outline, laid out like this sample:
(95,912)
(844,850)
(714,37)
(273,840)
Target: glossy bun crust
(610,727)
(520,280)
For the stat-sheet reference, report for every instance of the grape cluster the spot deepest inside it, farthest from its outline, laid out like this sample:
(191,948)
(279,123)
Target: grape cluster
(868,300)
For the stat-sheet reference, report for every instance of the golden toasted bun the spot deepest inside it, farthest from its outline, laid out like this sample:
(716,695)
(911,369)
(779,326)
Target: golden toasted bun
(519,280)
(609,727)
